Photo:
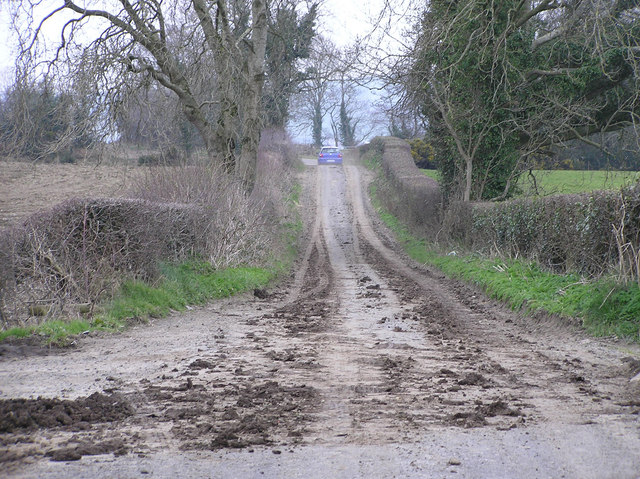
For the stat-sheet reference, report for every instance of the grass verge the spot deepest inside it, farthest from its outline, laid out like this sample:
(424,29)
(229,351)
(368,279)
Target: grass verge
(604,307)
(56,331)
(190,283)
(186,284)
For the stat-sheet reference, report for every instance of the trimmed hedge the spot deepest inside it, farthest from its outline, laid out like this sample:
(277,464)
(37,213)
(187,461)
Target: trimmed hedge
(590,234)
(408,194)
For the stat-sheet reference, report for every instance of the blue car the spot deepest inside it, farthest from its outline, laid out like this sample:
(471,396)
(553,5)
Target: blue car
(330,155)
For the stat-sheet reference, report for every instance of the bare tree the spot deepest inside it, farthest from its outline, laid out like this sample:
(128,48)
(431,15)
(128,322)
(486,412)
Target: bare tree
(185,46)
(315,95)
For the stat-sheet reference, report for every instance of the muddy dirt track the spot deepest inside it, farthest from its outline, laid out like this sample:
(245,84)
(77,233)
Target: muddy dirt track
(364,365)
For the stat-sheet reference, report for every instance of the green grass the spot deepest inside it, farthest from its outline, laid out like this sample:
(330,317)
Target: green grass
(551,182)
(604,307)
(54,331)
(435,174)
(373,159)
(183,285)
(190,283)
(563,182)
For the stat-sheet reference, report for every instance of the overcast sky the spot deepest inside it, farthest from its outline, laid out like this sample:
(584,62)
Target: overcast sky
(348,19)
(6,42)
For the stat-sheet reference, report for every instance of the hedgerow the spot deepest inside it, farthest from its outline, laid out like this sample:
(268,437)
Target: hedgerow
(590,234)
(409,195)
(63,261)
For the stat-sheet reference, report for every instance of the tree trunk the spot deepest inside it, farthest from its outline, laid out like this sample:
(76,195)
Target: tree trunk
(468,179)
(317,124)
(252,94)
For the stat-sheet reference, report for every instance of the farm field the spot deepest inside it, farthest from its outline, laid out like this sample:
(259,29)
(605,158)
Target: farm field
(558,182)
(27,187)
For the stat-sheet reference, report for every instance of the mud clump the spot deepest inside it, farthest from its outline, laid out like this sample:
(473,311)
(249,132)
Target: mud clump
(235,417)
(474,379)
(202,364)
(227,440)
(261,293)
(498,408)
(116,447)
(284,356)
(398,363)
(44,413)
(468,419)
(477,417)
(272,393)
(302,317)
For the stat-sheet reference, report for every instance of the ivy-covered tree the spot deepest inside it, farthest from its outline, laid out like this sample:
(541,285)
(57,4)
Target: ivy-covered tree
(348,123)
(347,126)
(502,81)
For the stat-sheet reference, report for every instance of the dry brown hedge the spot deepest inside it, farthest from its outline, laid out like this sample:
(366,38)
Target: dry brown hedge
(82,250)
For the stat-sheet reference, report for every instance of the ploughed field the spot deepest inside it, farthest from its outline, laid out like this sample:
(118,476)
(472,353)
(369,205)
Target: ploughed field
(26,188)
(363,364)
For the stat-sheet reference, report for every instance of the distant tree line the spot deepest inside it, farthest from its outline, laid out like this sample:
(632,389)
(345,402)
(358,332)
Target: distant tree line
(613,151)
(179,80)
(329,103)
(39,122)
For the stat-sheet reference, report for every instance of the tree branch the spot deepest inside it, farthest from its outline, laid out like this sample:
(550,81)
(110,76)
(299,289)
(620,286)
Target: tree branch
(542,7)
(538,42)
(556,72)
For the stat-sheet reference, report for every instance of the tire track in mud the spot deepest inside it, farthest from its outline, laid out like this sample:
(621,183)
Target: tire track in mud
(378,376)
(386,380)
(404,351)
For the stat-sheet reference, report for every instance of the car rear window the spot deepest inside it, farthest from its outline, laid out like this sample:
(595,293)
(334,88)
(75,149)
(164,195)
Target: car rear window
(329,150)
